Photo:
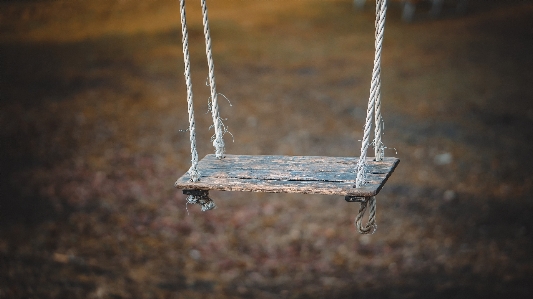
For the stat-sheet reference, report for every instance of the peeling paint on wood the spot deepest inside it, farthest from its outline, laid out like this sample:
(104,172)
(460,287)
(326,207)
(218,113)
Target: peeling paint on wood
(289,174)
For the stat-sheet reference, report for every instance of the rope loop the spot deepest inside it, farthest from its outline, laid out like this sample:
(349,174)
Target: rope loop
(371,225)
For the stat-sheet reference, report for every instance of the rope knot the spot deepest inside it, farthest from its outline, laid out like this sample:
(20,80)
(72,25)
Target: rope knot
(201,198)
(218,143)
(194,174)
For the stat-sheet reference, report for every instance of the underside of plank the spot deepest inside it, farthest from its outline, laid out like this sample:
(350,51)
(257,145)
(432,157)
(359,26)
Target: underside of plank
(289,174)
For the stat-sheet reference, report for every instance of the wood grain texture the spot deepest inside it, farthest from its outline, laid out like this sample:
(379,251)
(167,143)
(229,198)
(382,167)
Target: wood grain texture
(289,174)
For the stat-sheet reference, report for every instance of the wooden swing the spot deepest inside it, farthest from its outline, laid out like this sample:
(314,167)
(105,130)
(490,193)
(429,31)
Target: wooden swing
(359,179)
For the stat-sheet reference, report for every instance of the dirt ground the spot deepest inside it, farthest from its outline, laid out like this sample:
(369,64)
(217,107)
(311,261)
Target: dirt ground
(93,118)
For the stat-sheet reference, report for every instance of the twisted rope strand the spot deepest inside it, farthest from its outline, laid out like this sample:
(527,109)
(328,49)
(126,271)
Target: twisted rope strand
(381,9)
(361,164)
(374,109)
(374,101)
(193,171)
(218,141)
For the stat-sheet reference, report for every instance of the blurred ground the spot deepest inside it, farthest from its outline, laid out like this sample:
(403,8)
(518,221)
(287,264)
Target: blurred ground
(92,113)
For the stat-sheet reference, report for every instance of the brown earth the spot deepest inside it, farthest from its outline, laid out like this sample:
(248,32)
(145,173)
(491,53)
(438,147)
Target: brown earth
(93,118)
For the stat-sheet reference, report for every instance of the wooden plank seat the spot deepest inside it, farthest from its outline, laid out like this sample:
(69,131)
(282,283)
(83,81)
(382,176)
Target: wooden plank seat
(289,174)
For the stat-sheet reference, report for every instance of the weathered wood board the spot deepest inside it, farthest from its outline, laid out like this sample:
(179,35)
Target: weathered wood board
(289,174)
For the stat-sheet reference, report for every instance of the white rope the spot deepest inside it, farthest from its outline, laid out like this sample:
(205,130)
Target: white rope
(380,28)
(218,141)
(374,101)
(374,108)
(193,171)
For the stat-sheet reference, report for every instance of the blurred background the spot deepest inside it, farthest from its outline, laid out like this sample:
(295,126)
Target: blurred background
(93,122)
